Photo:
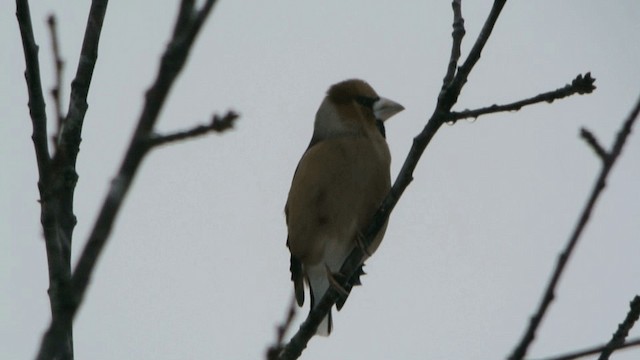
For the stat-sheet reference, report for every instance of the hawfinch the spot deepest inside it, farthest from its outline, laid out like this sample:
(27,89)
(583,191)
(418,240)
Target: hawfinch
(339,184)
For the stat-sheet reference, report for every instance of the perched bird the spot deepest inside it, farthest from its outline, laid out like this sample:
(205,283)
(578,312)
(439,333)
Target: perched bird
(339,184)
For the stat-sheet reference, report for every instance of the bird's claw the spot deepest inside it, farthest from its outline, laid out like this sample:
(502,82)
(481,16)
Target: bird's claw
(360,244)
(334,283)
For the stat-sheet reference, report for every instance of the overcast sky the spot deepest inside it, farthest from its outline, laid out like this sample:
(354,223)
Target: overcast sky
(197,268)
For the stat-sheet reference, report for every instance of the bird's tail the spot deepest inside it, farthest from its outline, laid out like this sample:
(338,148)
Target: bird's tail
(318,284)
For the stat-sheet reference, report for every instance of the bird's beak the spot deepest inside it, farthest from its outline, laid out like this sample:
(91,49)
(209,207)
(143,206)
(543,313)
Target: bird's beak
(384,108)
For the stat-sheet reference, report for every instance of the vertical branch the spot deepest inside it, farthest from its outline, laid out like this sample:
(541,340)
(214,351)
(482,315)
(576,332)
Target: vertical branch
(450,96)
(57,175)
(58,267)
(34,88)
(56,91)
(70,132)
(457,35)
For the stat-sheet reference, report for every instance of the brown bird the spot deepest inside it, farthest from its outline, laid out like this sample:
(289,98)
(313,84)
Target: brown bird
(339,184)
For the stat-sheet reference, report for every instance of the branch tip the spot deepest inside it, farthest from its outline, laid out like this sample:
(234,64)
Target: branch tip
(622,332)
(584,84)
(218,124)
(591,140)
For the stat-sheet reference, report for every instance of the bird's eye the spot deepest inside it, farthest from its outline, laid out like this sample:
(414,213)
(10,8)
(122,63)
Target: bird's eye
(366,101)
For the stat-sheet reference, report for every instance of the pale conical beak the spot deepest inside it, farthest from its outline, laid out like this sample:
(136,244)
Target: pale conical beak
(384,108)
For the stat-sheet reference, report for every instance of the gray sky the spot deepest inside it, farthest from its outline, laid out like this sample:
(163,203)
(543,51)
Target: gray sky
(197,266)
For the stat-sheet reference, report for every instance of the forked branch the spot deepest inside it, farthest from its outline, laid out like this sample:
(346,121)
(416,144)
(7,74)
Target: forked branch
(608,161)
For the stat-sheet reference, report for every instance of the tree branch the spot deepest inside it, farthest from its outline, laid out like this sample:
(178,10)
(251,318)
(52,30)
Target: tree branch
(57,175)
(592,351)
(58,64)
(171,64)
(70,133)
(449,95)
(623,329)
(57,253)
(218,124)
(274,350)
(34,88)
(521,349)
(591,140)
(580,85)
(457,35)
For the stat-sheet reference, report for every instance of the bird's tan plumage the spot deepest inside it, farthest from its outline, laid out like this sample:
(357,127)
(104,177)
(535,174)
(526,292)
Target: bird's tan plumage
(340,181)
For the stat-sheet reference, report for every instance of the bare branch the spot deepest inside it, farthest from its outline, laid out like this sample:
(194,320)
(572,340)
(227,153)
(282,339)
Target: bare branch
(58,255)
(185,15)
(58,64)
(173,60)
(521,349)
(580,85)
(457,35)
(592,351)
(218,124)
(591,140)
(274,350)
(57,209)
(171,64)
(449,96)
(34,88)
(71,129)
(623,329)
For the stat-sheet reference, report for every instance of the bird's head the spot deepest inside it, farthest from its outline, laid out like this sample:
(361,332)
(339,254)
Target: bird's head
(352,107)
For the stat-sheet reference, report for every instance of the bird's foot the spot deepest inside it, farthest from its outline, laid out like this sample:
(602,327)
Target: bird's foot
(335,283)
(360,244)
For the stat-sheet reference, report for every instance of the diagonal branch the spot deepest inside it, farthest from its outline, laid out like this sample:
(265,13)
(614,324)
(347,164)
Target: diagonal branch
(580,85)
(218,124)
(591,140)
(593,350)
(171,64)
(623,329)
(521,349)
(71,130)
(274,350)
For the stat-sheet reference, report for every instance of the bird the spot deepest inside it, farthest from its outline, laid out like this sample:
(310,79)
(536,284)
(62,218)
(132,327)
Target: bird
(339,183)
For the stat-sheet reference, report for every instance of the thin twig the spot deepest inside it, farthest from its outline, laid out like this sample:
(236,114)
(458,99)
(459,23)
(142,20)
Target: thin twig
(171,64)
(457,35)
(623,329)
(591,140)
(218,124)
(449,97)
(274,350)
(58,207)
(521,349)
(580,85)
(446,100)
(58,64)
(592,351)
(71,129)
(34,88)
